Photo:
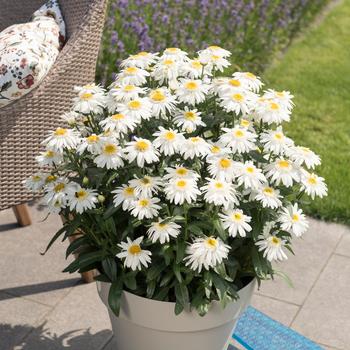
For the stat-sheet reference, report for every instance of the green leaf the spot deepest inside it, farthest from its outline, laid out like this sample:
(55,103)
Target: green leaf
(220,230)
(130,281)
(102,278)
(151,287)
(114,296)
(84,260)
(177,273)
(178,308)
(181,293)
(195,229)
(76,244)
(109,212)
(110,268)
(180,250)
(154,271)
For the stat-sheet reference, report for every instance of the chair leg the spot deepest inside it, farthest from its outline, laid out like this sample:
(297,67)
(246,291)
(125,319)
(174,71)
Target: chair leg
(22,214)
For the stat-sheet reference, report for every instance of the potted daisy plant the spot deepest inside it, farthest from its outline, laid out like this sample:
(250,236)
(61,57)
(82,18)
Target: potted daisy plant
(182,190)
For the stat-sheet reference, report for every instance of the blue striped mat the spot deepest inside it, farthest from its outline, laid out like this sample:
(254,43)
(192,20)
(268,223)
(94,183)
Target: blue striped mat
(256,331)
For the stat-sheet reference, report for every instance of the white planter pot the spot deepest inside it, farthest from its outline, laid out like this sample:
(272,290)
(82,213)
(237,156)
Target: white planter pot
(145,324)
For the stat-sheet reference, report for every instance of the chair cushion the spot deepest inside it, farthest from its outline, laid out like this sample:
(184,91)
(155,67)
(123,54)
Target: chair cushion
(28,51)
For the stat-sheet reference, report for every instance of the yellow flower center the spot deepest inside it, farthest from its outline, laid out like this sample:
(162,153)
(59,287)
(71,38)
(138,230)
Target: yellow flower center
(50,178)
(295,217)
(181,183)
(161,225)
(92,139)
(195,139)
(36,178)
(237,216)
(168,62)
(250,75)
(169,135)
(81,194)
(191,85)
(250,169)
(275,240)
(245,123)
(234,82)
(219,185)
(280,94)
(134,249)
(110,149)
(239,133)
(225,163)
(268,190)
(86,96)
(211,242)
(305,149)
(143,202)
(214,47)
(238,97)
(131,70)
(50,154)
(142,146)
(215,149)
(181,171)
(196,64)
(157,96)
(283,164)
(146,180)
(312,180)
(129,191)
(129,88)
(172,49)
(215,57)
(59,187)
(60,132)
(135,104)
(143,53)
(274,106)
(278,136)
(118,116)
(190,115)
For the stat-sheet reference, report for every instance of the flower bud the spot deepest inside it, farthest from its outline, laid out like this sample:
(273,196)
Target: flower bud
(101,198)
(85,180)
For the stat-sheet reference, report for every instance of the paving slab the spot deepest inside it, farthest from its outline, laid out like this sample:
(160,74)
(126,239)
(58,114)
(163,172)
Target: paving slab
(79,321)
(278,310)
(311,254)
(343,247)
(18,317)
(325,316)
(27,272)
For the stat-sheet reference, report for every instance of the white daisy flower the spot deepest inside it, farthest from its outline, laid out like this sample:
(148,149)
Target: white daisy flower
(90,143)
(179,191)
(238,102)
(162,231)
(71,118)
(269,197)
(222,168)
(168,141)
(246,123)
(275,141)
(194,147)
(166,70)
(145,207)
(227,86)
(146,186)
(218,51)
(141,60)
(35,182)
(303,155)
(175,54)
(62,138)
(193,69)
(119,123)
(271,245)
(293,220)
(132,76)
(218,150)
(192,91)
(283,170)
(251,81)
(250,176)
(137,109)
(162,102)
(219,193)
(90,99)
(124,194)
(188,120)
(49,158)
(135,257)
(55,207)
(213,61)
(313,185)
(56,191)
(180,172)
(236,222)
(110,156)
(206,252)
(123,93)
(283,97)
(271,111)
(142,150)
(239,139)
(81,199)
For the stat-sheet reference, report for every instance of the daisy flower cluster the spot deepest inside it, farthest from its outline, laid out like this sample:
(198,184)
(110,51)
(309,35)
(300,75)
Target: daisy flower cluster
(182,178)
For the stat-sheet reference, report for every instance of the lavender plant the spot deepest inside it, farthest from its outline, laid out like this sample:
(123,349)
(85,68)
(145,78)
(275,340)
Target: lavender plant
(252,30)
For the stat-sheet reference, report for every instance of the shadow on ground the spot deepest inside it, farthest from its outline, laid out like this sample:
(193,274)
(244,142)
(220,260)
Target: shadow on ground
(74,340)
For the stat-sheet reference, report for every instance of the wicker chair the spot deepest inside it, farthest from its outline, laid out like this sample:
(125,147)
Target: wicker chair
(25,122)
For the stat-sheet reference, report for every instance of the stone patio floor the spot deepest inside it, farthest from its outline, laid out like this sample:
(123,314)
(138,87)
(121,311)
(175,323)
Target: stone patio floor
(43,309)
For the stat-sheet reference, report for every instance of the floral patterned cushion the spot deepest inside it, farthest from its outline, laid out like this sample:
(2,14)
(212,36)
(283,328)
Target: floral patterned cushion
(28,50)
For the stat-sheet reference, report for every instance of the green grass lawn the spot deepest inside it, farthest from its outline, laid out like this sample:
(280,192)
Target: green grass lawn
(316,69)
